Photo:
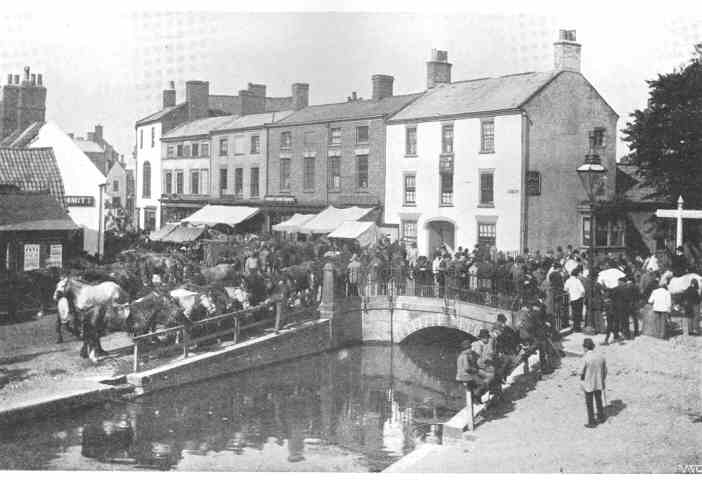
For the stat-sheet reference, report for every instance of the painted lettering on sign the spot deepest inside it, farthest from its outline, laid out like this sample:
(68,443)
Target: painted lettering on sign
(31,256)
(79,201)
(533,183)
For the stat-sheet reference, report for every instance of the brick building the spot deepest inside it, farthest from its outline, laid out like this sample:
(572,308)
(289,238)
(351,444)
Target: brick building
(23,103)
(198,104)
(99,150)
(493,160)
(334,153)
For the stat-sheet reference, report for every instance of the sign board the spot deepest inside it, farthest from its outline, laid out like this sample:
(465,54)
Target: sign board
(79,201)
(55,255)
(31,256)
(533,183)
(280,199)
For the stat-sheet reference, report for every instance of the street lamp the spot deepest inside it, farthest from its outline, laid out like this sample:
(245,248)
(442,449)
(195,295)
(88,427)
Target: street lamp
(591,174)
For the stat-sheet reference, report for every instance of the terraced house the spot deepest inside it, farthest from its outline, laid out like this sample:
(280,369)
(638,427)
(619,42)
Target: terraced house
(332,154)
(493,160)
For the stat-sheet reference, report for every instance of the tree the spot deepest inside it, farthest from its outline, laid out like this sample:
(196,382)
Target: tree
(666,137)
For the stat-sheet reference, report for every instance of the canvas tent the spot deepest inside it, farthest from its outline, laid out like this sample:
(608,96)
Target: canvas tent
(365,232)
(182,234)
(293,224)
(330,219)
(165,230)
(211,215)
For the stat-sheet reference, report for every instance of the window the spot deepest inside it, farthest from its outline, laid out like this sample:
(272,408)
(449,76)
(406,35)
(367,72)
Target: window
(446,189)
(239,142)
(487,136)
(487,189)
(204,181)
(411,141)
(335,136)
(608,232)
(587,231)
(254,182)
(222,179)
(597,138)
(179,150)
(409,232)
(115,185)
(309,139)
(195,182)
(186,150)
(205,149)
(238,182)
(146,180)
(308,174)
(255,144)
(170,151)
(286,140)
(141,138)
(410,189)
(362,171)
(116,202)
(487,234)
(334,173)
(179,182)
(195,149)
(149,219)
(447,139)
(223,146)
(362,134)
(153,137)
(285,174)
(168,182)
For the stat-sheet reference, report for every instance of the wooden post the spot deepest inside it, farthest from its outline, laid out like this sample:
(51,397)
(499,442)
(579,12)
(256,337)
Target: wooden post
(135,366)
(326,306)
(469,409)
(236,329)
(279,315)
(186,342)
(679,223)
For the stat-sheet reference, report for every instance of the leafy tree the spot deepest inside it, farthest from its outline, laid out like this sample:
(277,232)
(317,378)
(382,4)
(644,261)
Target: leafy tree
(666,137)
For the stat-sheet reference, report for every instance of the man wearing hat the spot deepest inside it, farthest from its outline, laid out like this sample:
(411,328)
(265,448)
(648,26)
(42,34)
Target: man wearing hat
(354,271)
(467,368)
(592,381)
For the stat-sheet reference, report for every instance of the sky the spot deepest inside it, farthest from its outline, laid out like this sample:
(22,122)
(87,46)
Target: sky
(109,67)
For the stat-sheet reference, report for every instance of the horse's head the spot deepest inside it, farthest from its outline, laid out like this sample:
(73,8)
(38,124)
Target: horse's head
(61,288)
(208,303)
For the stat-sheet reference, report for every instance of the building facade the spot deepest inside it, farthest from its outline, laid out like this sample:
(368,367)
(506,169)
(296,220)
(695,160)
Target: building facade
(493,160)
(332,154)
(99,150)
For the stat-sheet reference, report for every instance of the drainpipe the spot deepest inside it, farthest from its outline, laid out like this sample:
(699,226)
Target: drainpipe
(100,224)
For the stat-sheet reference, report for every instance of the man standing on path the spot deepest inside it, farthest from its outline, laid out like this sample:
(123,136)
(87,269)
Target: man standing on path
(662,304)
(592,381)
(576,295)
(353,271)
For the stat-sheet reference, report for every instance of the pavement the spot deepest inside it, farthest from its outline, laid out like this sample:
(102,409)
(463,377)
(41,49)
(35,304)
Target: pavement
(654,425)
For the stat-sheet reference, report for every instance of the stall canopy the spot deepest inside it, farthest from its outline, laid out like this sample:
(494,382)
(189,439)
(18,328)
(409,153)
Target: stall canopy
(215,214)
(183,234)
(330,219)
(365,232)
(293,224)
(165,230)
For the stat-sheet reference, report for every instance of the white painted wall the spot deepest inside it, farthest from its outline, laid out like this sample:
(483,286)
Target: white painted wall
(80,177)
(245,160)
(186,164)
(506,163)
(153,155)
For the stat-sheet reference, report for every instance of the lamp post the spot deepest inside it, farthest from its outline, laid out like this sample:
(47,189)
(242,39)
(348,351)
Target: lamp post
(591,174)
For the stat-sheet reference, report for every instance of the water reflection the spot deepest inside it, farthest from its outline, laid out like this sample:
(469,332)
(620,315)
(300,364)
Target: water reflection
(357,409)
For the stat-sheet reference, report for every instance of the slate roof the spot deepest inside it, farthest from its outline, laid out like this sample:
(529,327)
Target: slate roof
(475,96)
(22,138)
(160,114)
(348,110)
(88,146)
(22,211)
(202,126)
(252,121)
(32,169)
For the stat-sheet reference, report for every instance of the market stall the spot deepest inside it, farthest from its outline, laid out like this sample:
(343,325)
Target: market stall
(331,218)
(365,233)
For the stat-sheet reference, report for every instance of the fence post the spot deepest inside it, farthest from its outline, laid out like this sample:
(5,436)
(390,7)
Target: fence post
(279,315)
(236,329)
(186,342)
(469,408)
(135,367)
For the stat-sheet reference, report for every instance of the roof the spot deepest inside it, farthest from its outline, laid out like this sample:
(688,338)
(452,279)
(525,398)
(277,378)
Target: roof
(22,138)
(88,146)
(165,230)
(182,234)
(32,169)
(330,219)
(252,121)
(630,186)
(293,223)
(349,110)
(220,214)
(508,92)
(160,114)
(24,211)
(351,229)
(202,126)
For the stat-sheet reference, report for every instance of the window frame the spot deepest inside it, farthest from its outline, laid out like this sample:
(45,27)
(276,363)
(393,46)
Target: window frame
(359,159)
(223,146)
(481,200)
(410,152)
(204,181)
(308,177)
(205,149)
(146,185)
(115,185)
(405,190)
(223,179)
(168,182)
(195,149)
(480,223)
(179,150)
(256,183)
(255,147)
(284,174)
(358,129)
(153,137)
(331,170)
(170,150)
(194,183)
(179,182)
(442,194)
(239,182)
(286,144)
(611,225)
(239,141)
(331,135)
(485,146)
(403,225)
(597,138)
(444,144)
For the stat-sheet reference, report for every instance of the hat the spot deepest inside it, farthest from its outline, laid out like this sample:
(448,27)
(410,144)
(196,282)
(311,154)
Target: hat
(589,344)
(484,332)
(466,344)
(501,318)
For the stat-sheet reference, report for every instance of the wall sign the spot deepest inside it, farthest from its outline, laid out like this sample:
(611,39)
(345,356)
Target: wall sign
(31,256)
(55,256)
(79,201)
(280,199)
(533,183)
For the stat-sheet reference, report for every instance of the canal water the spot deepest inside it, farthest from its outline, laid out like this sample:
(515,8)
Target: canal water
(352,410)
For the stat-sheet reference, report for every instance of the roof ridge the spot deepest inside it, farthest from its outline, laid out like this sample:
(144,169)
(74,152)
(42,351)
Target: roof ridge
(359,101)
(26,148)
(501,76)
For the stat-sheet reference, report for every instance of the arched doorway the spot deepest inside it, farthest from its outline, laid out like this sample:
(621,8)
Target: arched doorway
(440,232)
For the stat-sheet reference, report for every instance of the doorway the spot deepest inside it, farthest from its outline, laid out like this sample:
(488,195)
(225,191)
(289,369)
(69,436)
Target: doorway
(440,232)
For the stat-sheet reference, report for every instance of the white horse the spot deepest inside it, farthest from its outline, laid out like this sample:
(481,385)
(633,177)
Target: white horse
(678,285)
(240,295)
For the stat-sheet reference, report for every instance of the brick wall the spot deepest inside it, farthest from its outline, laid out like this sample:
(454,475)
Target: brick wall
(560,119)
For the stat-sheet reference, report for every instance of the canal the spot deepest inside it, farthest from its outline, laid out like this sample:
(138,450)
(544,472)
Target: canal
(357,409)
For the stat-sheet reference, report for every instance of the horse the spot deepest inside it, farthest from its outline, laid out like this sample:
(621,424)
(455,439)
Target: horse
(152,311)
(678,285)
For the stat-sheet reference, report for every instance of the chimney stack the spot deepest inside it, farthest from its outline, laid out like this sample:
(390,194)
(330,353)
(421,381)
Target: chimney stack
(98,134)
(382,86)
(34,78)
(438,68)
(169,95)
(17,79)
(300,95)
(566,52)
(40,79)
(251,103)
(9,79)
(26,74)
(197,96)
(258,89)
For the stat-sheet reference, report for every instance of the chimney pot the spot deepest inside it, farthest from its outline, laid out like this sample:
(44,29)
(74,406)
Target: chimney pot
(9,79)
(438,68)
(169,96)
(17,77)
(258,89)
(171,85)
(40,79)
(26,74)
(197,96)
(300,95)
(34,78)
(566,52)
(382,86)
